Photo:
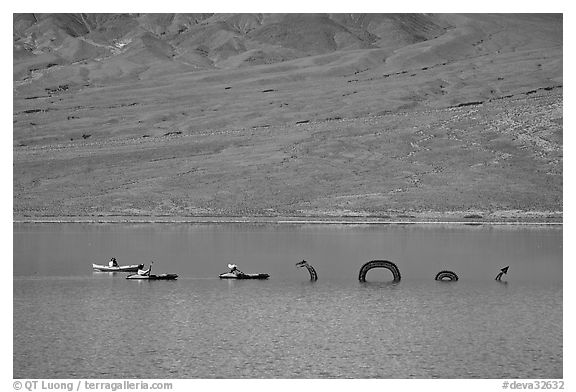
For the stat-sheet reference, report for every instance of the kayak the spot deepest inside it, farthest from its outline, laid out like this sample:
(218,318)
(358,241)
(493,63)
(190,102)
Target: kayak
(152,277)
(120,268)
(230,275)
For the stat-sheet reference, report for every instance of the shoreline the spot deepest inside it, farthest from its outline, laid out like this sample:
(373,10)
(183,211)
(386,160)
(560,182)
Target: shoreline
(299,220)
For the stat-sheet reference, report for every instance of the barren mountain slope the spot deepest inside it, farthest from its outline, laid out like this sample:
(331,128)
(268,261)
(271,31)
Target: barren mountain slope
(380,115)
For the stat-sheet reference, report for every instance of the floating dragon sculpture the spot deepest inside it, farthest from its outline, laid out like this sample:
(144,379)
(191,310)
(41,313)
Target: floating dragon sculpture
(379,264)
(311,270)
(446,275)
(502,272)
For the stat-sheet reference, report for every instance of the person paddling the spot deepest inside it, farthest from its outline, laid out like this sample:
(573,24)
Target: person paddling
(143,272)
(234,269)
(113,262)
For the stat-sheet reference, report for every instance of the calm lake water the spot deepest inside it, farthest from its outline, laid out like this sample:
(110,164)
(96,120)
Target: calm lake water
(70,322)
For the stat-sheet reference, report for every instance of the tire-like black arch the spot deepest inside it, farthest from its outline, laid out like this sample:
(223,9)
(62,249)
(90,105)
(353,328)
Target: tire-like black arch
(379,264)
(312,271)
(446,275)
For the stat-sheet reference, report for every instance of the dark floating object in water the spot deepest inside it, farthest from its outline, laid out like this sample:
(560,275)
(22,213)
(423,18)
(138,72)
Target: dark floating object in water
(502,272)
(235,273)
(152,277)
(446,275)
(230,275)
(143,274)
(311,270)
(379,264)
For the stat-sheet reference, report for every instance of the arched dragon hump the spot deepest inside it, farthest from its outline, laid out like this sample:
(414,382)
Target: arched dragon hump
(379,264)
(446,275)
(311,270)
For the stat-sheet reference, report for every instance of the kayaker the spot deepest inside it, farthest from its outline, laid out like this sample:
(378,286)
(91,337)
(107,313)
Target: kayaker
(113,262)
(145,272)
(234,269)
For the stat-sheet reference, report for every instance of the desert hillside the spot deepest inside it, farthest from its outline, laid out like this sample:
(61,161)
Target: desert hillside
(390,116)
